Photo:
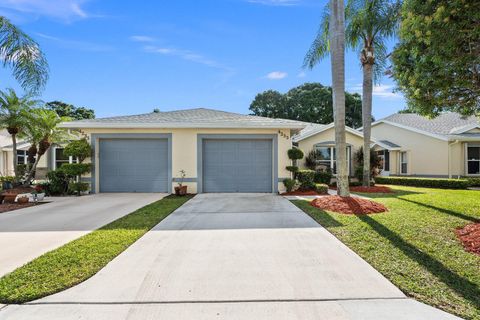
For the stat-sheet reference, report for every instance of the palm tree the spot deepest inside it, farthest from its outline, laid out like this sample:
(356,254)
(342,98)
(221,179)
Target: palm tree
(42,131)
(337,41)
(14,116)
(23,55)
(370,23)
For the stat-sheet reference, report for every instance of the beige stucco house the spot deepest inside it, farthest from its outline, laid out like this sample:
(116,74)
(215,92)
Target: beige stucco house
(218,151)
(445,146)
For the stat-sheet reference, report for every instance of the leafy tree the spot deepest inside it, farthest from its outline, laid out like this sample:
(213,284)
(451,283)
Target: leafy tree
(42,130)
(68,110)
(370,23)
(309,102)
(437,62)
(14,112)
(23,55)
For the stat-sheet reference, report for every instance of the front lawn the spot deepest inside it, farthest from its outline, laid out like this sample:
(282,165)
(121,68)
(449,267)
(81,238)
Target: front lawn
(414,244)
(80,259)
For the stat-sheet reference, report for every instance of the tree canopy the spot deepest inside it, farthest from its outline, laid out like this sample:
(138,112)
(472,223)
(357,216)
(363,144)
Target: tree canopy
(68,110)
(437,62)
(309,102)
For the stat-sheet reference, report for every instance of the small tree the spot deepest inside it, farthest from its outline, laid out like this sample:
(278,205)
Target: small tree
(375,162)
(294,154)
(79,149)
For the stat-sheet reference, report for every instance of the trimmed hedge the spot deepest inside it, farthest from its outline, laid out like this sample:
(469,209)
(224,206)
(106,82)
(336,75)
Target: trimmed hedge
(474,182)
(321,188)
(306,178)
(425,182)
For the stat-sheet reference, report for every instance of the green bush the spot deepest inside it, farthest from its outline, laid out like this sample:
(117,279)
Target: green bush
(311,159)
(321,188)
(289,184)
(77,187)
(57,182)
(295,154)
(78,149)
(306,178)
(292,169)
(75,169)
(425,182)
(474,182)
(323,176)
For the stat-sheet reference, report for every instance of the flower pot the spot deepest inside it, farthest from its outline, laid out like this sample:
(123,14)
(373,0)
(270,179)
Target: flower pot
(22,200)
(9,198)
(181,190)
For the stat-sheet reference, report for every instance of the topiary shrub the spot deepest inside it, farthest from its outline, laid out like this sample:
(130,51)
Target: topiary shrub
(292,169)
(79,149)
(295,154)
(321,188)
(289,184)
(323,176)
(306,178)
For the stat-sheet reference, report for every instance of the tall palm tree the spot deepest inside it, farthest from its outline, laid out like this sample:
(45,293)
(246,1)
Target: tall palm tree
(14,116)
(337,42)
(370,24)
(23,55)
(42,131)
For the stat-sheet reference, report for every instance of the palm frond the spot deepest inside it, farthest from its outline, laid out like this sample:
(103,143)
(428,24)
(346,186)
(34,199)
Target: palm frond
(23,55)
(321,45)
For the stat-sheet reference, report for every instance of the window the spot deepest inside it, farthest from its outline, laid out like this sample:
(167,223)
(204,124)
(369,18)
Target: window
(473,160)
(384,156)
(21,156)
(61,159)
(327,158)
(403,163)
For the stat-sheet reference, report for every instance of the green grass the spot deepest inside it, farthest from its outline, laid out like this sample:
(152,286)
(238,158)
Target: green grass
(414,244)
(80,259)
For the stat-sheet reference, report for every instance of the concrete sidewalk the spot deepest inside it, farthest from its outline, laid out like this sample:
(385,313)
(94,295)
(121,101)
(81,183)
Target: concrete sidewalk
(233,256)
(30,232)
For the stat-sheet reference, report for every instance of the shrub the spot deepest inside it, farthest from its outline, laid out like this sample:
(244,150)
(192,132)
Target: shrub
(311,159)
(75,169)
(289,184)
(375,163)
(474,182)
(425,182)
(292,169)
(321,188)
(78,187)
(306,178)
(295,154)
(57,182)
(78,149)
(323,176)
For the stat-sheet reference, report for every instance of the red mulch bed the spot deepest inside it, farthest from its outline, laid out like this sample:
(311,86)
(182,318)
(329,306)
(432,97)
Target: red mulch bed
(5,207)
(373,189)
(303,193)
(348,205)
(470,237)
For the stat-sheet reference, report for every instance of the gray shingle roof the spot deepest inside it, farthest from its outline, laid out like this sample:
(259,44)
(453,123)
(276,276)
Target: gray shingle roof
(190,118)
(444,124)
(389,144)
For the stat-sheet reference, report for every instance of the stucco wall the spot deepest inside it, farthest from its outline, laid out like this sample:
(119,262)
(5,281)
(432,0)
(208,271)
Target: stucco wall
(7,165)
(427,156)
(184,149)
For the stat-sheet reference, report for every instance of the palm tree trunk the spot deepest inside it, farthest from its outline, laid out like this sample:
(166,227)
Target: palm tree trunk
(367,120)
(337,52)
(32,169)
(15,159)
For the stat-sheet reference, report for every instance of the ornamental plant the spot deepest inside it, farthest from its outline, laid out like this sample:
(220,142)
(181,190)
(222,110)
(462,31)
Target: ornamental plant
(80,150)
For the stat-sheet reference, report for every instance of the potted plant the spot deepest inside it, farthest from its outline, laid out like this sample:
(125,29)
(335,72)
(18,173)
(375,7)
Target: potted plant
(181,190)
(22,199)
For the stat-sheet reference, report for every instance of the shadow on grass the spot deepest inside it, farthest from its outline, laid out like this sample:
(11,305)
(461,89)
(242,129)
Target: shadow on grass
(446,211)
(394,194)
(463,287)
(319,215)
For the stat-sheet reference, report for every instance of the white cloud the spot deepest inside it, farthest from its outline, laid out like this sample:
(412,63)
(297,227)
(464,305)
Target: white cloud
(302,74)
(276,2)
(62,9)
(382,91)
(139,38)
(276,75)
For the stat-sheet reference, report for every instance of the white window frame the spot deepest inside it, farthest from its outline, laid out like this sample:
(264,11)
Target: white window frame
(333,158)
(403,162)
(24,156)
(70,158)
(471,145)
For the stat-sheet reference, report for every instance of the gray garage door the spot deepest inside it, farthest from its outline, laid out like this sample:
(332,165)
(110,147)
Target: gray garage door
(237,165)
(133,165)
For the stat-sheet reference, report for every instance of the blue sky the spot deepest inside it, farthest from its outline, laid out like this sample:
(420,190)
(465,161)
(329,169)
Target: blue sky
(128,57)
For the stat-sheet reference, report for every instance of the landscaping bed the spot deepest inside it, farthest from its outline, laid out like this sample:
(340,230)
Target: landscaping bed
(348,205)
(80,259)
(371,189)
(470,237)
(5,207)
(303,193)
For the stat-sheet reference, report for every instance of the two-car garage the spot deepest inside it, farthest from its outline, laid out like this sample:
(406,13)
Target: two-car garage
(225,165)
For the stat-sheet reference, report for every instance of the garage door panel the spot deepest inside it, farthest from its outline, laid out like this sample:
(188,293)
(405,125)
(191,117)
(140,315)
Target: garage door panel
(133,165)
(237,165)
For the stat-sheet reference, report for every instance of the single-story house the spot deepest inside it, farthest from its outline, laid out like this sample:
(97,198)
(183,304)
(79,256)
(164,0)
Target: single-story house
(218,151)
(445,146)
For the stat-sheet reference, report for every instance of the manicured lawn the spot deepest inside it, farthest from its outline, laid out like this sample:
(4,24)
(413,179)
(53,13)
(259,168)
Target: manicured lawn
(80,259)
(414,244)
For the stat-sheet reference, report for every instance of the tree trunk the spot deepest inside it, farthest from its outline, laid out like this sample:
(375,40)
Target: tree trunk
(32,169)
(337,53)
(367,120)
(15,159)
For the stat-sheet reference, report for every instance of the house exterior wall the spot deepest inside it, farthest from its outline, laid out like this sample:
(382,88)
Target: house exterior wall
(427,156)
(184,149)
(7,165)
(308,144)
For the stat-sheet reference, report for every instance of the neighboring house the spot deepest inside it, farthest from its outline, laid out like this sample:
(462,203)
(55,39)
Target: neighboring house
(445,146)
(321,138)
(219,151)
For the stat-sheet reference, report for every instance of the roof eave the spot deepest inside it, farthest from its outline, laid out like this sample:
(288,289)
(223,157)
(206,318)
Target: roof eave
(237,125)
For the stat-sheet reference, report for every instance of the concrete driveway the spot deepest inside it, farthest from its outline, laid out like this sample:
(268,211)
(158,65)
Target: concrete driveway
(28,233)
(233,256)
